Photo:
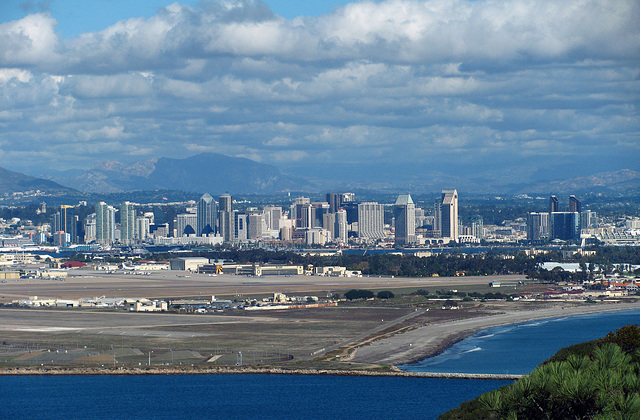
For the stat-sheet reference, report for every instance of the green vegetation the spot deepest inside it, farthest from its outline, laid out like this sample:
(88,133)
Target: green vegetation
(359,294)
(595,380)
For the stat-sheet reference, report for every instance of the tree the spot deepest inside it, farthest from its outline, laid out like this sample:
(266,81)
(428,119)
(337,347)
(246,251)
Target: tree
(359,294)
(385,294)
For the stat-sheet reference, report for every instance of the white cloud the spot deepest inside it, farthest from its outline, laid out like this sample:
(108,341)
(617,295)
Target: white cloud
(422,80)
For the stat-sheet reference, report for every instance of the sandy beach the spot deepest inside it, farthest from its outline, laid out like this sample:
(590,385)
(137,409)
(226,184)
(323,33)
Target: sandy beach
(430,340)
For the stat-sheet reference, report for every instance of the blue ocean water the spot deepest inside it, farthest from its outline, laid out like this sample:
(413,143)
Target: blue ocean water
(519,348)
(233,396)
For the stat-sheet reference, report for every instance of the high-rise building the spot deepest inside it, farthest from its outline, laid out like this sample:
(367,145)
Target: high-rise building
(272,216)
(340,230)
(143,226)
(256,225)
(449,215)
(241,228)
(405,216)
(105,223)
(538,227)
(127,222)
(318,210)
(186,224)
(554,204)
(226,221)
(588,219)
(207,215)
(565,226)
(334,201)
(574,204)
(370,220)
(477,227)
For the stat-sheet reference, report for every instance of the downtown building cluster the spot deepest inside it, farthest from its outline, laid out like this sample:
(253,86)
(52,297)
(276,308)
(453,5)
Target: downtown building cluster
(338,220)
(559,225)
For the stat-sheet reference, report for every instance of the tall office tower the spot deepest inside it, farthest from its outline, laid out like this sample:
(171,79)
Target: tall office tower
(256,225)
(127,222)
(300,206)
(405,213)
(69,222)
(574,204)
(437,218)
(105,223)
(143,226)
(588,219)
(340,230)
(225,218)
(449,215)
(329,223)
(56,222)
(90,228)
(477,227)
(352,211)
(272,216)
(370,220)
(186,224)
(334,201)
(207,215)
(565,226)
(241,230)
(420,217)
(538,227)
(554,204)
(318,210)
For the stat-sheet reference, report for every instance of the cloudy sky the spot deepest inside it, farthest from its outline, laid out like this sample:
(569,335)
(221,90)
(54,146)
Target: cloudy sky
(510,89)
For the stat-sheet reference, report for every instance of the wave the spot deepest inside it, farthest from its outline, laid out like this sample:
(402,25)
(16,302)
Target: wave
(472,350)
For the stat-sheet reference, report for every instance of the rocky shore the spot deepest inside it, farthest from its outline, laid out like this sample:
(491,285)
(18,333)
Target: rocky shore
(238,370)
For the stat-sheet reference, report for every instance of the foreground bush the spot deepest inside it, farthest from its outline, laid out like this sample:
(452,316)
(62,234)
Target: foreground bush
(603,384)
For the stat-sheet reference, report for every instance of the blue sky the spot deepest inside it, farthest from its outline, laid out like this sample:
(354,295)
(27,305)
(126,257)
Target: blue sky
(512,90)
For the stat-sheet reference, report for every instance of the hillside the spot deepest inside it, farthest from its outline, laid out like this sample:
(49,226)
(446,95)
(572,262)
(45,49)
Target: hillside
(11,182)
(596,379)
(206,172)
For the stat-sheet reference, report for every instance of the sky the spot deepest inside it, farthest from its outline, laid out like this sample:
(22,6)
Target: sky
(511,90)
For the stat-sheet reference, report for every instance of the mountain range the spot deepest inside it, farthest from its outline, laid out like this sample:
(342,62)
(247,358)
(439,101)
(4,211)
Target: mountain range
(11,182)
(206,172)
(217,173)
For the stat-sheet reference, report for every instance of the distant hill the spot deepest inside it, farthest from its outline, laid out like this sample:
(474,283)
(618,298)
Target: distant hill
(11,182)
(618,181)
(206,172)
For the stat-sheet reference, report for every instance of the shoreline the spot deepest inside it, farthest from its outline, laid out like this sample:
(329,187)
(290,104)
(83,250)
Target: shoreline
(384,354)
(122,371)
(431,340)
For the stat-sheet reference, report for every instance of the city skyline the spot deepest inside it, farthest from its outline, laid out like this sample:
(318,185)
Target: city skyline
(512,90)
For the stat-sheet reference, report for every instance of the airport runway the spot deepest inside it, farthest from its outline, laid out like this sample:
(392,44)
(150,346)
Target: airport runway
(174,284)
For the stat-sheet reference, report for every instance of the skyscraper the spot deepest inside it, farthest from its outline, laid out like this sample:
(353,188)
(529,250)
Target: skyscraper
(554,204)
(370,220)
(449,215)
(574,204)
(538,227)
(105,223)
(405,215)
(207,215)
(340,232)
(226,222)
(127,222)
(186,224)
(565,226)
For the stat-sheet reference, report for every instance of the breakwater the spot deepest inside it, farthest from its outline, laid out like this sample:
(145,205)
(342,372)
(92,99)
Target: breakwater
(244,370)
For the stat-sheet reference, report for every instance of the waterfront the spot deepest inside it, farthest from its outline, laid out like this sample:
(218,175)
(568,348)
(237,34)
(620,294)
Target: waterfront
(519,348)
